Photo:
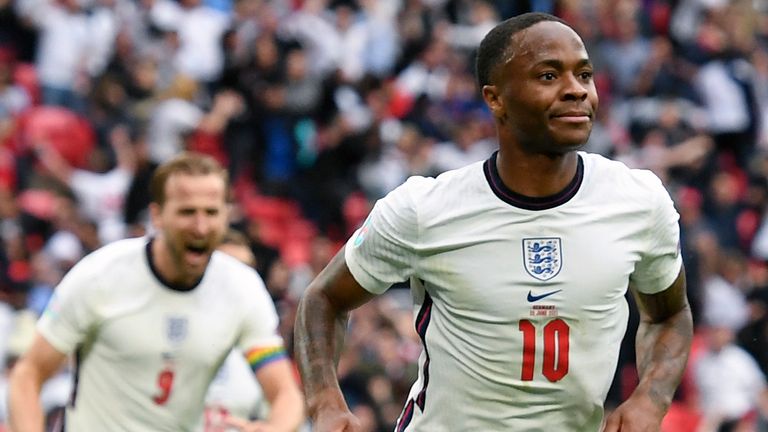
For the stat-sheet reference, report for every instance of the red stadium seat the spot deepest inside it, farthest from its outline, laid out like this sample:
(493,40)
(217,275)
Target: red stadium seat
(71,135)
(262,207)
(300,229)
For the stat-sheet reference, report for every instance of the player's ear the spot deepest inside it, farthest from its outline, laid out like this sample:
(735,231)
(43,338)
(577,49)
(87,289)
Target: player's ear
(493,100)
(154,214)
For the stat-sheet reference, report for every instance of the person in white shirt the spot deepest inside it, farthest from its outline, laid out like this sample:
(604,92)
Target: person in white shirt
(101,195)
(70,50)
(150,320)
(176,117)
(729,381)
(518,266)
(199,28)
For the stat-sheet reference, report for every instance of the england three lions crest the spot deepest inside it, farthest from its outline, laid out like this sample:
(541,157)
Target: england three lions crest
(542,257)
(176,329)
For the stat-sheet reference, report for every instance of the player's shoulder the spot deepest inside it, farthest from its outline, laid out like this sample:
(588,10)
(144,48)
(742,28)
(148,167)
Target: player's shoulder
(423,189)
(225,263)
(620,177)
(114,255)
(122,247)
(238,285)
(106,269)
(420,199)
(233,272)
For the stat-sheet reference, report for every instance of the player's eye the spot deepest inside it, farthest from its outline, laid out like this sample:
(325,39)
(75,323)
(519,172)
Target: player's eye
(548,76)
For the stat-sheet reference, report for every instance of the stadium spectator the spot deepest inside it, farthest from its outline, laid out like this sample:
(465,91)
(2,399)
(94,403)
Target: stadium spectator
(199,28)
(725,292)
(13,98)
(64,50)
(100,195)
(731,386)
(176,117)
(753,337)
(626,51)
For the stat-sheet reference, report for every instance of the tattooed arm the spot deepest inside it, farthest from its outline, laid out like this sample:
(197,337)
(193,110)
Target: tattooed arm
(321,323)
(663,342)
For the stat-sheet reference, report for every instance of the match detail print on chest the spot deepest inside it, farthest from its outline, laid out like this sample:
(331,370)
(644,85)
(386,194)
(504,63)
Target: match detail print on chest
(542,260)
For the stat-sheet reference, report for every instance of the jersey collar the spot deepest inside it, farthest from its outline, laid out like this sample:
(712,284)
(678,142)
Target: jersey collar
(161,279)
(531,203)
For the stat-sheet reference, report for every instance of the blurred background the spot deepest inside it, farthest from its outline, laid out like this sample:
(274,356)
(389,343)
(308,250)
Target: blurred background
(320,107)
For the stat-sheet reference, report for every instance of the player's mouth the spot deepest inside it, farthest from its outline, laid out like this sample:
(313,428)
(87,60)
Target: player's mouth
(573,117)
(196,254)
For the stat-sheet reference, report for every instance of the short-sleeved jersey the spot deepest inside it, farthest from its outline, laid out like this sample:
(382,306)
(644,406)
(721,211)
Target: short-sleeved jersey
(519,302)
(145,351)
(233,392)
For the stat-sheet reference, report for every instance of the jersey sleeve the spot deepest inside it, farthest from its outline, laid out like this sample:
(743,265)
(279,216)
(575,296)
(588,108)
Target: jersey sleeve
(660,262)
(70,314)
(382,251)
(259,339)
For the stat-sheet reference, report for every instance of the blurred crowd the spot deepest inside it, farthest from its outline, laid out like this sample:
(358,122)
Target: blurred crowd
(320,107)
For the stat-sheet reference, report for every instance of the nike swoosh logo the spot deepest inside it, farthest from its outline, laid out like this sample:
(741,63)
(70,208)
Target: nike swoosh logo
(534,298)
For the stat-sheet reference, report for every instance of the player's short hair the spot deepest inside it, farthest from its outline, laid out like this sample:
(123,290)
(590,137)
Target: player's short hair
(189,163)
(496,44)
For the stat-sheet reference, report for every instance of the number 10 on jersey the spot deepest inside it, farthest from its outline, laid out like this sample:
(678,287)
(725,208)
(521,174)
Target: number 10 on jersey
(555,359)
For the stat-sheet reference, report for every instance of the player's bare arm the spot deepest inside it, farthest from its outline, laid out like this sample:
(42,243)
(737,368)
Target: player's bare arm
(663,340)
(38,364)
(320,327)
(285,399)
(663,343)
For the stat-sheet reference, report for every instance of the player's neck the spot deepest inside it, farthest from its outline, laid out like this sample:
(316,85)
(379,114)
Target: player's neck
(162,262)
(536,175)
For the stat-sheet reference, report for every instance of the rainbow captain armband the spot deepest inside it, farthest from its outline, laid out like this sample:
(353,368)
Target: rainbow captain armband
(258,357)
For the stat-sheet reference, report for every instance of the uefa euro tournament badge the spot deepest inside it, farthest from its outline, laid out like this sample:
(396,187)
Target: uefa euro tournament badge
(362,232)
(542,257)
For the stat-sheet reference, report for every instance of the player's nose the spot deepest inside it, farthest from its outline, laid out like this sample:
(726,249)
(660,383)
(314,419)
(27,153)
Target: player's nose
(201,224)
(573,88)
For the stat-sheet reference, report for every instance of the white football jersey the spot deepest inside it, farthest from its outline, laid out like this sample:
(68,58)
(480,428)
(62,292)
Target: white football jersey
(519,301)
(234,392)
(146,351)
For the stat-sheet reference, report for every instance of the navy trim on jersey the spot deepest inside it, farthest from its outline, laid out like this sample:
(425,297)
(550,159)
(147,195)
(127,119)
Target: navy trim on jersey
(161,279)
(76,375)
(59,423)
(405,418)
(422,323)
(530,203)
